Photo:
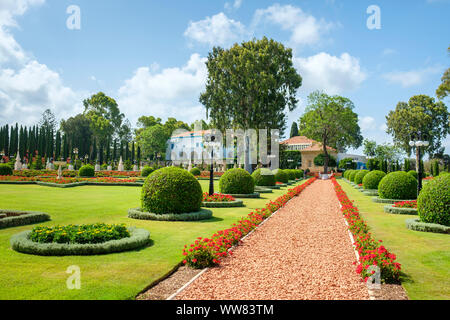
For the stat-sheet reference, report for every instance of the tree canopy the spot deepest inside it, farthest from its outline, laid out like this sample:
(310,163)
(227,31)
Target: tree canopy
(444,88)
(294,130)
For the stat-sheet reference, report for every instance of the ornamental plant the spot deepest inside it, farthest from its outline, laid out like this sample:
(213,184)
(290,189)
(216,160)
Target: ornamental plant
(398,185)
(360,175)
(236,181)
(86,171)
(413,173)
(146,171)
(352,175)
(5,170)
(372,179)
(195,171)
(217,197)
(433,203)
(263,177)
(208,252)
(291,174)
(171,190)
(281,176)
(81,234)
(299,174)
(406,204)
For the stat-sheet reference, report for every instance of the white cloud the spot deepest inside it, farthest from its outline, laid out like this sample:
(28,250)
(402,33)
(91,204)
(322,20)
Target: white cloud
(236,5)
(216,30)
(28,87)
(332,74)
(170,92)
(411,78)
(367,123)
(305,28)
(388,52)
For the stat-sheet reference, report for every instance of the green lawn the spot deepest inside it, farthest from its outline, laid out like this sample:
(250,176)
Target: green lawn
(425,257)
(113,276)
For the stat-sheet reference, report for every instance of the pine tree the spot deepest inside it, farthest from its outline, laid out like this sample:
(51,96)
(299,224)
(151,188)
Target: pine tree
(294,130)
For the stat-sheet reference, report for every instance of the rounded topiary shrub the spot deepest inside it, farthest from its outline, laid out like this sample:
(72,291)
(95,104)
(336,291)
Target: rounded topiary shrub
(281,176)
(347,174)
(290,173)
(146,171)
(171,190)
(5,170)
(264,177)
(433,203)
(398,185)
(413,173)
(236,181)
(86,171)
(195,171)
(299,174)
(360,175)
(352,175)
(372,179)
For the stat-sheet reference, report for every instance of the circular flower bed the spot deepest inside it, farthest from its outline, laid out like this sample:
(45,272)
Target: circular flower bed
(171,190)
(218,200)
(264,177)
(402,207)
(236,181)
(79,240)
(14,218)
(398,185)
(434,201)
(372,179)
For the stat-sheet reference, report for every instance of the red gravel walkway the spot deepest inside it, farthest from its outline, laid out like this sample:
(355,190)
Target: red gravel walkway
(302,252)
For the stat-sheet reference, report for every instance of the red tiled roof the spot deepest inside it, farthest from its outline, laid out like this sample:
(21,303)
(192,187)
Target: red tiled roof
(298,140)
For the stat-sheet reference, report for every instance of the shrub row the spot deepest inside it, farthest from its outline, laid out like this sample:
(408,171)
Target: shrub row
(201,214)
(433,203)
(417,225)
(16,218)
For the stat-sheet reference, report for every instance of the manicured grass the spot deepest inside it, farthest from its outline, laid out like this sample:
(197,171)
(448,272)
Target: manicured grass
(113,276)
(424,256)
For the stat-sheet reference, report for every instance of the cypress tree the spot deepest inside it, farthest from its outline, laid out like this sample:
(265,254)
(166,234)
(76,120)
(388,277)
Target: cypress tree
(294,130)
(58,145)
(132,152)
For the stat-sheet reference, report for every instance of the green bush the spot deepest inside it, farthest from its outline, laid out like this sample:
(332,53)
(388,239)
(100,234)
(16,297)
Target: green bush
(360,175)
(86,171)
(171,190)
(281,176)
(263,177)
(398,185)
(195,171)
(347,163)
(146,171)
(433,203)
(290,173)
(5,170)
(372,179)
(16,218)
(236,181)
(320,160)
(299,174)
(352,175)
(413,173)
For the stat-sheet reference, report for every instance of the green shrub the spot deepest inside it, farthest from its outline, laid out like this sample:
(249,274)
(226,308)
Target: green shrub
(196,171)
(263,177)
(347,163)
(413,173)
(320,160)
(299,174)
(171,190)
(398,185)
(146,171)
(433,203)
(281,176)
(5,170)
(372,179)
(290,173)
(352,175)
(86,171)
(360,175)
(16,218)
(236,181)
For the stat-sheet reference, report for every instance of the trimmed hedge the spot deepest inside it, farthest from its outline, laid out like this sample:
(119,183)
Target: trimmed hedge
(236,181)
(391,201)
(171,190)
(22,243)
(281,176)
(347,173)
(291,174)
(398,185)
(227,204)
(370,192)
(195,171)
(87,171)
(299,174)
(433,202)
(395,210)
(5,170)
(413,173)
(21,218)
(360,175)
(352,175)
(201,214)
(372,179)
(263,190)
(146,171)
(263,177)
(417,225)
(246,195)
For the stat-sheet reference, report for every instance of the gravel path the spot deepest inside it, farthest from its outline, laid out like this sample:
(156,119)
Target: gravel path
(302,252)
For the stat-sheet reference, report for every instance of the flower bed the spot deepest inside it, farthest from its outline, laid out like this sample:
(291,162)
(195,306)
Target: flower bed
(137,213)
(207,252)
(371,252)
(217,197)
(218,200)
(406,204)
(70,181)
(14,218)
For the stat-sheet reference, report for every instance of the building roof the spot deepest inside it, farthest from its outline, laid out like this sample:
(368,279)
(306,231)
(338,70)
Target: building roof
(317,147)
(298,140)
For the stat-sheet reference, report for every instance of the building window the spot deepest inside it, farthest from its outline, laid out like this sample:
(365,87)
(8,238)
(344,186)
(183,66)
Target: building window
(309,163)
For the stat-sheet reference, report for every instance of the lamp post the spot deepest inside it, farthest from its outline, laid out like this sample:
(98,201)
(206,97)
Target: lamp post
(86,158)
(75,152)
(419,141)
(211,144)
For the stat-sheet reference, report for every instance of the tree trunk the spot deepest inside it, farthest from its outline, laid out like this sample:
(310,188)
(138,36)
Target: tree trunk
(325,158)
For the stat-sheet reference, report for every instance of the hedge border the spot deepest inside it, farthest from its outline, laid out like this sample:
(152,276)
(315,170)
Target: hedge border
(224,204)
(76,184)
(395,210)
(137,213)
(417,225)
(270,187)
(370,192)
(245,196)
(263,190)
(21,243)
(391,201)
(26,217)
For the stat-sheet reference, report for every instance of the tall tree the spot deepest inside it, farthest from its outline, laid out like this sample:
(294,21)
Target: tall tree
(78,130)
(250,86)
(421,114)
(153,140)
(444,88)
(294,130)
(331,120)
(48,121)
(369,148)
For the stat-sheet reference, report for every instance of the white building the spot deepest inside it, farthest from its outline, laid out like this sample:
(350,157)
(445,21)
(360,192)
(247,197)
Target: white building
(361,161)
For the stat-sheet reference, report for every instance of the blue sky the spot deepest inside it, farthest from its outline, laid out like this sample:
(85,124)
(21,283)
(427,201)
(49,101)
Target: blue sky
(149,55)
